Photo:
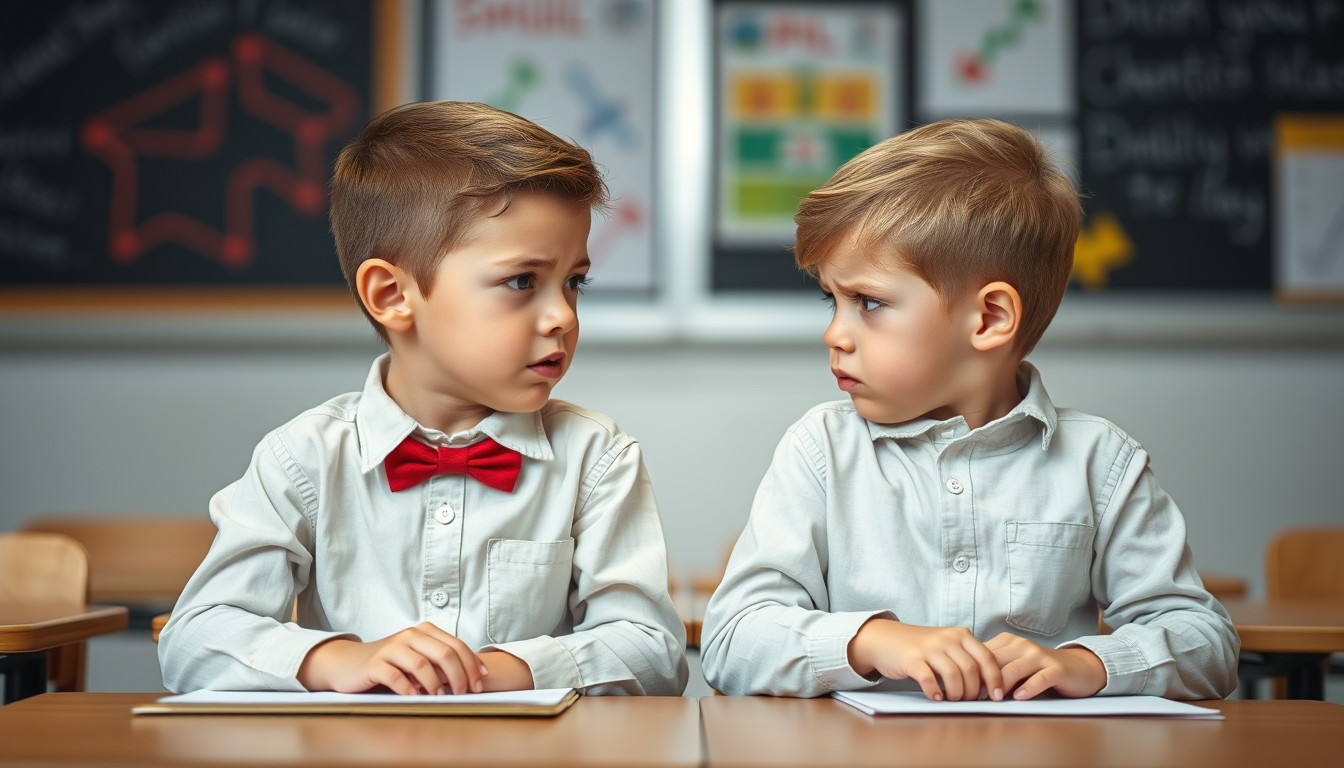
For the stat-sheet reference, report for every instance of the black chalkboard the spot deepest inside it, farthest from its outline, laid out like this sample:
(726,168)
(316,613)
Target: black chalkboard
(1176,106)
(175,143)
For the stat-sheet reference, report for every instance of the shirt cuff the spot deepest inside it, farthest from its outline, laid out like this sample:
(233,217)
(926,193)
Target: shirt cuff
(551,663)
(828,649)
(1126,667)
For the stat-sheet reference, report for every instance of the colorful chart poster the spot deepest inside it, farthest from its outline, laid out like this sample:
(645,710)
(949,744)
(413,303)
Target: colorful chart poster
(583,69)
(995,57)
(1309,242)
(801,88)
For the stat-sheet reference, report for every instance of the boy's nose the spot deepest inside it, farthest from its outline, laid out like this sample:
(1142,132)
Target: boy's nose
(559,317)
(836,337)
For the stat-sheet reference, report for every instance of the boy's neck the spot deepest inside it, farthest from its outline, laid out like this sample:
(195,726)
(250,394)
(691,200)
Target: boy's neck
(429,408)
(995,396)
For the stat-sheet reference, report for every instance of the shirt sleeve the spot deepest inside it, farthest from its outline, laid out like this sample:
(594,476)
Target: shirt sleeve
(231,628)
(627,635)
(768,627)
(1170,637)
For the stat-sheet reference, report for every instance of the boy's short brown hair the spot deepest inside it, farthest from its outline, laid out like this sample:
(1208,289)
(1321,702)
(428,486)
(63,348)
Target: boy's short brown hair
(961,203)
(410,186)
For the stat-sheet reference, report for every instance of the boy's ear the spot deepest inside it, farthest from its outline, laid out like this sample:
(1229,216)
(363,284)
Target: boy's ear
(382,288)
(999,307)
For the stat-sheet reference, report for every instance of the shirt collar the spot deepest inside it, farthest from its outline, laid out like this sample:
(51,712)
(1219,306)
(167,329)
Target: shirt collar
(1036,411)
(381,425)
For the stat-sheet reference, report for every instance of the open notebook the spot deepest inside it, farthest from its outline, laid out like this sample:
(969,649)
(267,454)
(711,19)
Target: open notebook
(546,702)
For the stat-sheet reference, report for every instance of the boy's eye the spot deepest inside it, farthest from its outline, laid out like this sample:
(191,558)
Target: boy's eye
(869,304)
(578,282)
(522,282)
(829,298)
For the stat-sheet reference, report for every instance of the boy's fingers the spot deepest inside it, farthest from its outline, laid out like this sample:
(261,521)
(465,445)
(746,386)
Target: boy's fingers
(970,674)
(457,656)
(420,670)
(459,674)
(991,675)
(1034,686)
(1014,672)
(389,675)
(928,683)
(948,671)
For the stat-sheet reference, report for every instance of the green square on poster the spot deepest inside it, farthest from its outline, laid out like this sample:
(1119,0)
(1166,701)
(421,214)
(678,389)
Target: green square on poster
(772,198)
(758,146)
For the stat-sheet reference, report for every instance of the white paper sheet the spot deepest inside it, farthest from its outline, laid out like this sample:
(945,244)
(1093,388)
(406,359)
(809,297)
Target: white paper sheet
(545,697)
(913,703)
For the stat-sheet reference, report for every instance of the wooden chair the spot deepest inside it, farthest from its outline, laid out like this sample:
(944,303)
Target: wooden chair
(1300,564)
(140,562)
(48,567)
(1305,563)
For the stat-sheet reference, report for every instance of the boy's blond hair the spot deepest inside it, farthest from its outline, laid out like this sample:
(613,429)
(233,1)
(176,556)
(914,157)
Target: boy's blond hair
(410,186)
(961,203)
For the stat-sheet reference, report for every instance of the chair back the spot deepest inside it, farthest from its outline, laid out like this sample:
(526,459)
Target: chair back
(1305,563)
(135,560)
(43,568)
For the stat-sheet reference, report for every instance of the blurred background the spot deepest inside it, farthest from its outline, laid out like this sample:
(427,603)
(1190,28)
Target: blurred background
(169,291)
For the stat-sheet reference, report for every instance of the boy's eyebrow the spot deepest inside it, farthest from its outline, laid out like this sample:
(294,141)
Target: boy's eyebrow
(538,262)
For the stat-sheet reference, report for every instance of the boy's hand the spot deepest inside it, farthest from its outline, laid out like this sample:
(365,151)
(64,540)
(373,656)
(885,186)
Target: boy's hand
(420,659)
(1032,669)
(926,655)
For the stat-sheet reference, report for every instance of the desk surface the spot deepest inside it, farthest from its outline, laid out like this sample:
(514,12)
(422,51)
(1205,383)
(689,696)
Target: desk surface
(1288,626)
(27,627)
(87,728)
(759,731)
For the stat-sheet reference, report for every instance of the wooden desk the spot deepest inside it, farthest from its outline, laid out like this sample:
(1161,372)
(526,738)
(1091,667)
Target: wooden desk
(28,630)
(745,731)
(87,728)
(1300,634)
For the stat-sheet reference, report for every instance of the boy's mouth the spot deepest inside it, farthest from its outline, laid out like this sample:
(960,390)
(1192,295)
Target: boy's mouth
(550,366)
(844,380)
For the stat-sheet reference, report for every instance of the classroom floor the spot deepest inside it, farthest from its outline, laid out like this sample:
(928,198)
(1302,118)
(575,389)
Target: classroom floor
(127,662)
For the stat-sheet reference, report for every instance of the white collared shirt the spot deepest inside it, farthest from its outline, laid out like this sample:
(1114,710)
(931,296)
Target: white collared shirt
(1025,525)
(568,572)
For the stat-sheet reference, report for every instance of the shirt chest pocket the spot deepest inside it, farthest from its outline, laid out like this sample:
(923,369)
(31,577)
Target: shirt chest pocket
(1049,573)
(528,582)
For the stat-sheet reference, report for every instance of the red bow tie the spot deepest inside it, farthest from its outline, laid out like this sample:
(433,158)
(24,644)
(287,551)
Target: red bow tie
(413,462)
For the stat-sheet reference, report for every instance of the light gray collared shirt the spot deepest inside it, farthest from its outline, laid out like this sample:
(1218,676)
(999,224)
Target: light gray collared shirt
(1025,525)
(568,572)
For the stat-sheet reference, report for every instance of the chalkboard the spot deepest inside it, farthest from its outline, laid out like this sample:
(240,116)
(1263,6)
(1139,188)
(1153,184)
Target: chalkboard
(1166,108)
(1177,102)
(171,143)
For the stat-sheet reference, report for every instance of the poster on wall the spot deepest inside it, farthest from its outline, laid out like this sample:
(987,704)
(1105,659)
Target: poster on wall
(800,88)
(1309,236)
(585,70)
(995,57)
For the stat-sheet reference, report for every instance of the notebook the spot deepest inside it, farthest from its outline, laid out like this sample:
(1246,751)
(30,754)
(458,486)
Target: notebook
(546,702)
(915,703)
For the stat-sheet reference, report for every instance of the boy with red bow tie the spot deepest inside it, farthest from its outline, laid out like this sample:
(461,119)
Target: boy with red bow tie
(450,528)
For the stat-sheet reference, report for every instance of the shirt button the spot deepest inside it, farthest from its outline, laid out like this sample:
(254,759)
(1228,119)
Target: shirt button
(961,563)
(439,598)
(953,485)
(445,514)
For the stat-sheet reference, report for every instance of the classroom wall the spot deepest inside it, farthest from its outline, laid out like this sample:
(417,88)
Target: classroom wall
(1244,436)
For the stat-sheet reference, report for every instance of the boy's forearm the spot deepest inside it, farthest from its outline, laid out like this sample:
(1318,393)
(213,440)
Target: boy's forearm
(315,670)
(507,672)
